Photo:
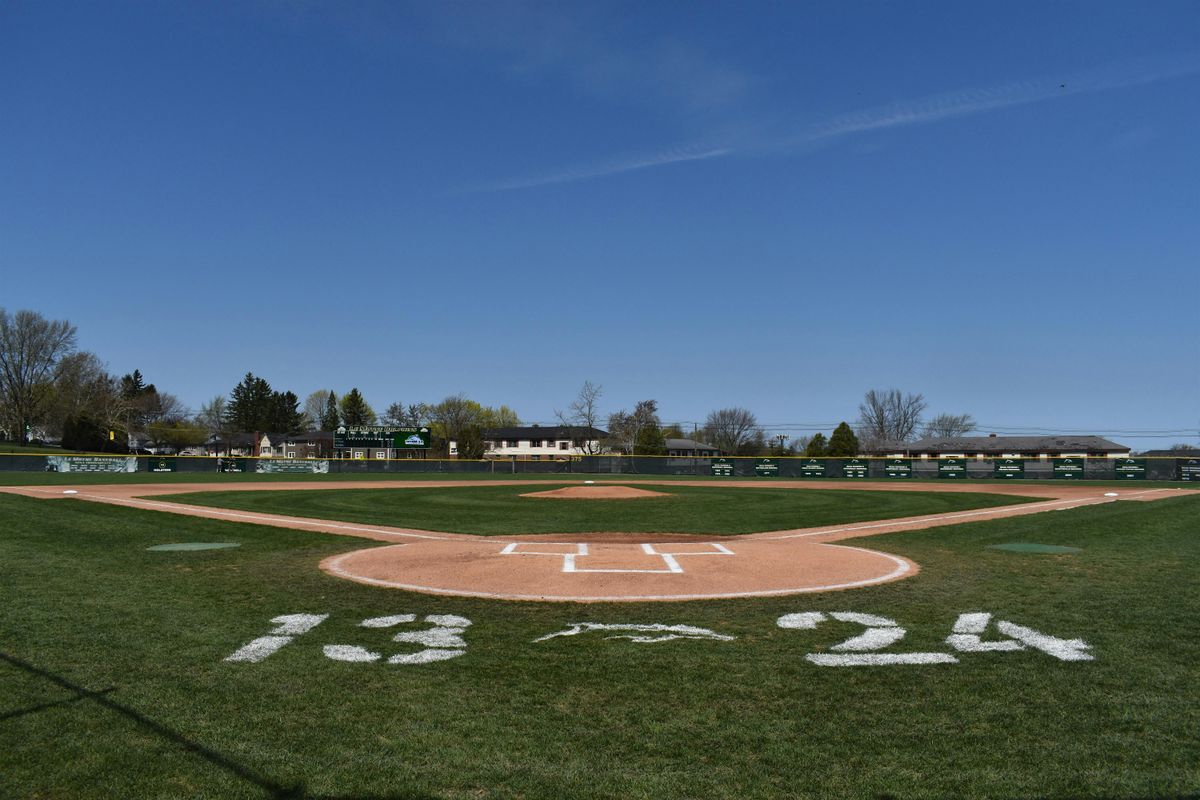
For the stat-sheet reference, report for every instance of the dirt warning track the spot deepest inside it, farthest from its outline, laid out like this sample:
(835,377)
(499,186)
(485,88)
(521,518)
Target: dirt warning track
(610,566)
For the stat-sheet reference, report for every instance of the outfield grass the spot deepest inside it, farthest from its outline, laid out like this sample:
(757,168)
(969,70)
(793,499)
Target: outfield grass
(491,510)
(87,608)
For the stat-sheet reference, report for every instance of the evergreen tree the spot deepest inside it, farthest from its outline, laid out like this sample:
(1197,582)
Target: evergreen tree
(330,419)
(843,443)
(286,416)
(251,406)
(650,441)
(816,446)
(355,410)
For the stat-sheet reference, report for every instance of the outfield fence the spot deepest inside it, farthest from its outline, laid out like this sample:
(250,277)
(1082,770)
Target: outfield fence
(850,469)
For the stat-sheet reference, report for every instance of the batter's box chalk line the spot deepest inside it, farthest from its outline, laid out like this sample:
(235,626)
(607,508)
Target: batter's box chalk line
(671,565)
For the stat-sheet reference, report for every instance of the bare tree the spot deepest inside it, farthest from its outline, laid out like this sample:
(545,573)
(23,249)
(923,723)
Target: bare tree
(624,427)
(584,412)
(30,347)
(732,431)
(314,408)
(889,416)
(949,426)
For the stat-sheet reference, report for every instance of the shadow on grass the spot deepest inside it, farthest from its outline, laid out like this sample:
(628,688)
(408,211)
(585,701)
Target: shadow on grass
(271,788)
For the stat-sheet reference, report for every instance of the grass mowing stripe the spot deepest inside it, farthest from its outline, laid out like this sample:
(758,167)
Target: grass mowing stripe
(492,510)
(586,716)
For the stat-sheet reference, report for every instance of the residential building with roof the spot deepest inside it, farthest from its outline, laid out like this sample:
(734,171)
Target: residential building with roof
(539,443)
(691,448)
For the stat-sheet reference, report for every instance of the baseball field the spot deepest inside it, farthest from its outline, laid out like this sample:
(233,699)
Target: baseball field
(551,639)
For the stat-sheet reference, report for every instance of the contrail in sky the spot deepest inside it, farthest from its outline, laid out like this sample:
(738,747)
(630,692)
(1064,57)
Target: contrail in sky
(933,108)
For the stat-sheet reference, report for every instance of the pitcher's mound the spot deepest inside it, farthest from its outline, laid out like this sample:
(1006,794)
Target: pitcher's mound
(597,493)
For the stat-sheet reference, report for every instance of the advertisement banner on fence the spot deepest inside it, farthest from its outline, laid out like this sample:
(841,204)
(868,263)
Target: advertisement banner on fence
(1008,468)
(1129,469)
(160,464)
(898,468)
(1187,469)
(91,464)
(233,465)
(1068,468)
(766,468)
(812,468)
(854,468)
(952,468)
(292,465)
(722,468)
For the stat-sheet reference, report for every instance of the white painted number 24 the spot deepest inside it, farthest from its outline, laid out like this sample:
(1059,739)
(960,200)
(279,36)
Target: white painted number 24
(966,637)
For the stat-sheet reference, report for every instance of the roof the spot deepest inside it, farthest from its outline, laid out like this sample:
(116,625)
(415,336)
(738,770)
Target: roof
(688,444)
(546,432)
(1006,444)
(1171,453)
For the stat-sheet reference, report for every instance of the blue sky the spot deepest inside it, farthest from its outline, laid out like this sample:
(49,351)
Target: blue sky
(772,205)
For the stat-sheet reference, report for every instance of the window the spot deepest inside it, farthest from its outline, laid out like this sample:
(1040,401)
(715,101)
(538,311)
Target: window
(534,443)
(381,453)
(510,443)
(564,445)
(291,453)
(359,454)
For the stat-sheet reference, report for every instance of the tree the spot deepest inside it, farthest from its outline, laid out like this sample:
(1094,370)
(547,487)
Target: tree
(650,441)
(82,387)
(250,405)
(843,443)
(285,415)
(177,434)
(888,416)
(331,417)
(732,431)
(30,347)
(624,427)
(949,426)
(355,410)
(314,409)
(502,417)
(816,446)
(395,415)
(212,415)
(584,412)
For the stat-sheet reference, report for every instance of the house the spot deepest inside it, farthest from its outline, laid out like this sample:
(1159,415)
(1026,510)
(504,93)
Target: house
(691,448)
(994,446)
(537,443)
(232,444)
(312,444)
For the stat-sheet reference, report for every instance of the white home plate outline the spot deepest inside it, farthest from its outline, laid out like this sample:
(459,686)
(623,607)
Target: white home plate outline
(673,567)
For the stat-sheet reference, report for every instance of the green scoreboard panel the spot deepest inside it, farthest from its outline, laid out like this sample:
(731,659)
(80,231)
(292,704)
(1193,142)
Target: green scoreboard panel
(812,468)
(952,468)
(1187,469)
(1008,468)
(1129,469)
(722,468)
(1068,468)
(855,468)
(898,468)
(766,468)
(348,437)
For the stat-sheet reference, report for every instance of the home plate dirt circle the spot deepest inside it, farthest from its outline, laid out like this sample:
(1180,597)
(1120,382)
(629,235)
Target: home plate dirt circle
(618,567)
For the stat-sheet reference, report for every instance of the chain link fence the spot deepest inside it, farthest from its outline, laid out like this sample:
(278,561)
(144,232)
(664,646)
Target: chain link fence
(1099,469)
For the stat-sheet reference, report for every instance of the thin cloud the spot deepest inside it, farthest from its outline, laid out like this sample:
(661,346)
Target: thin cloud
(673,156)
(933,108)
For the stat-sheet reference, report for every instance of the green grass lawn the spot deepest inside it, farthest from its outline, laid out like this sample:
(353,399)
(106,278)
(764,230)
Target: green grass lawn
(113,683)
(493,510)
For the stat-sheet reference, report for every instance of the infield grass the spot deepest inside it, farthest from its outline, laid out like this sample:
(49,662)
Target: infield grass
(492,510)
(113,684)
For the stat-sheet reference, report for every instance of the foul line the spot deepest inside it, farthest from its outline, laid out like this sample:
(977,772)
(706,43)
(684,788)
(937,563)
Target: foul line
(211,512)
